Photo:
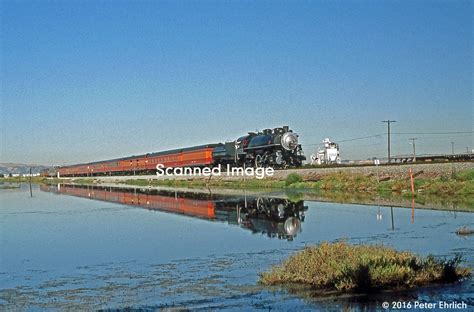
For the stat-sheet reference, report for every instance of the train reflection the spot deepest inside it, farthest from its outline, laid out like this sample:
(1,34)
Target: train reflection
(275,217)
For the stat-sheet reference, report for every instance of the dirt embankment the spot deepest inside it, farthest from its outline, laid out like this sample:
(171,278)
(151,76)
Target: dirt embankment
(392,172)
(424,171)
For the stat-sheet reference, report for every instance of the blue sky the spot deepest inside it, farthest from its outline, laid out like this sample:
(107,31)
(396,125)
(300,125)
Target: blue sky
(89,80)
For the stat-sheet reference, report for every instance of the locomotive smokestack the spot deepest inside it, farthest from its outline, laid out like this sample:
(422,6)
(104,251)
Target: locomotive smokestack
(286,128)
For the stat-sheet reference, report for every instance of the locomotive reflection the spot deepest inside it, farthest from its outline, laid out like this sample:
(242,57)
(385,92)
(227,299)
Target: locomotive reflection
(275,217)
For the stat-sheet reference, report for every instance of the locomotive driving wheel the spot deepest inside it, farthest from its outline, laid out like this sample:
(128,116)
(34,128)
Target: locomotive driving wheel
(258,161)
(261,205)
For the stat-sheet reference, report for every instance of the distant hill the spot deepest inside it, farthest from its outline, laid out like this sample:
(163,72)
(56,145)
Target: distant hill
(11,168)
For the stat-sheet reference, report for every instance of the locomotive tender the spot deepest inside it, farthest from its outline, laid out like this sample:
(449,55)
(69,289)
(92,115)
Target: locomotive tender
(278,148)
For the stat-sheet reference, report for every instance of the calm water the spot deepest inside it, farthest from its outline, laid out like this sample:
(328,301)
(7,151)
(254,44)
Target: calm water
(94,248)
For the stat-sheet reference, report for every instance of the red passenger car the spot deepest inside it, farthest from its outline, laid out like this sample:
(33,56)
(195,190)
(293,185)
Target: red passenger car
(191,156)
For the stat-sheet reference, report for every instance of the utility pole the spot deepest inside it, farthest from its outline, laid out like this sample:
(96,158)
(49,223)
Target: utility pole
(414,150)
(452,148)
(388,136)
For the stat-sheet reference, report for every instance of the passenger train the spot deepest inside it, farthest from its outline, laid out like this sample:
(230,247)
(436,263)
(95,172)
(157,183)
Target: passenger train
(277,148)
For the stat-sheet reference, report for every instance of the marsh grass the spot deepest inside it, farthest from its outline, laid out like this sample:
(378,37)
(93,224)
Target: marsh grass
(362,268)
(293,178)
(249,184)
(34,180)
(465,231)
(85,181)
(457,189)
(462,184)
(9,186)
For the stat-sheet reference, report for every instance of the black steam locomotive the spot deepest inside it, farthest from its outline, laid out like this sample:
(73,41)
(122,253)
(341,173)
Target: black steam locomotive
(278,148)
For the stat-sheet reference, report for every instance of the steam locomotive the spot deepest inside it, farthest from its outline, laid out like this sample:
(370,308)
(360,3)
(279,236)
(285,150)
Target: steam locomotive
(272,147)
(278,148)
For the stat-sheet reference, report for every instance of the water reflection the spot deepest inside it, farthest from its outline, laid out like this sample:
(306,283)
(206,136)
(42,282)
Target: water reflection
(275,217)
(189,250)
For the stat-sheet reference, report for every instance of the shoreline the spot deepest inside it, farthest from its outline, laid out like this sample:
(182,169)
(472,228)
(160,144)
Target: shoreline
(447,186)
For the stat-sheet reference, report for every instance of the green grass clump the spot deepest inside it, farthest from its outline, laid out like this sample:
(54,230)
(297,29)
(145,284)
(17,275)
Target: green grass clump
(52,181)
(9,187)
(293,178)
(136,182)
(362,268)
(22,179)
(84,181)
(343,181)
(465,175)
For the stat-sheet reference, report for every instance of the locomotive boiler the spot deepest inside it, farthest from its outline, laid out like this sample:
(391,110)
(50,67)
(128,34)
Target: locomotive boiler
(276,147)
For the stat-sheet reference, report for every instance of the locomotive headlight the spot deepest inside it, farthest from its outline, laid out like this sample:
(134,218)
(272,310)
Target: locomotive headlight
(289,141)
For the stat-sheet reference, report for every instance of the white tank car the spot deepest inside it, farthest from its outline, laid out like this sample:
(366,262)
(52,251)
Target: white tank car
(329,154)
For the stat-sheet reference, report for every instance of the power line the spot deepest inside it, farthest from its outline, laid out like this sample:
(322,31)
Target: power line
(444,137)
(451,132)
(350,140)
(428,136)
(362,138)
(466,133)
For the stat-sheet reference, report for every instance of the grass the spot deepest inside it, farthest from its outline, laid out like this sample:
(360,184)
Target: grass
(34,180)
(460,185)
(362,268)
(84,181)
(169,182)
(9,187)
(21,179)
(293,178)
(205,182)
(465,231)
(456,189)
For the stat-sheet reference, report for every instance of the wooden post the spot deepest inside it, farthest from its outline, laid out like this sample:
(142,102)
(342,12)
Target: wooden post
(412,183)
